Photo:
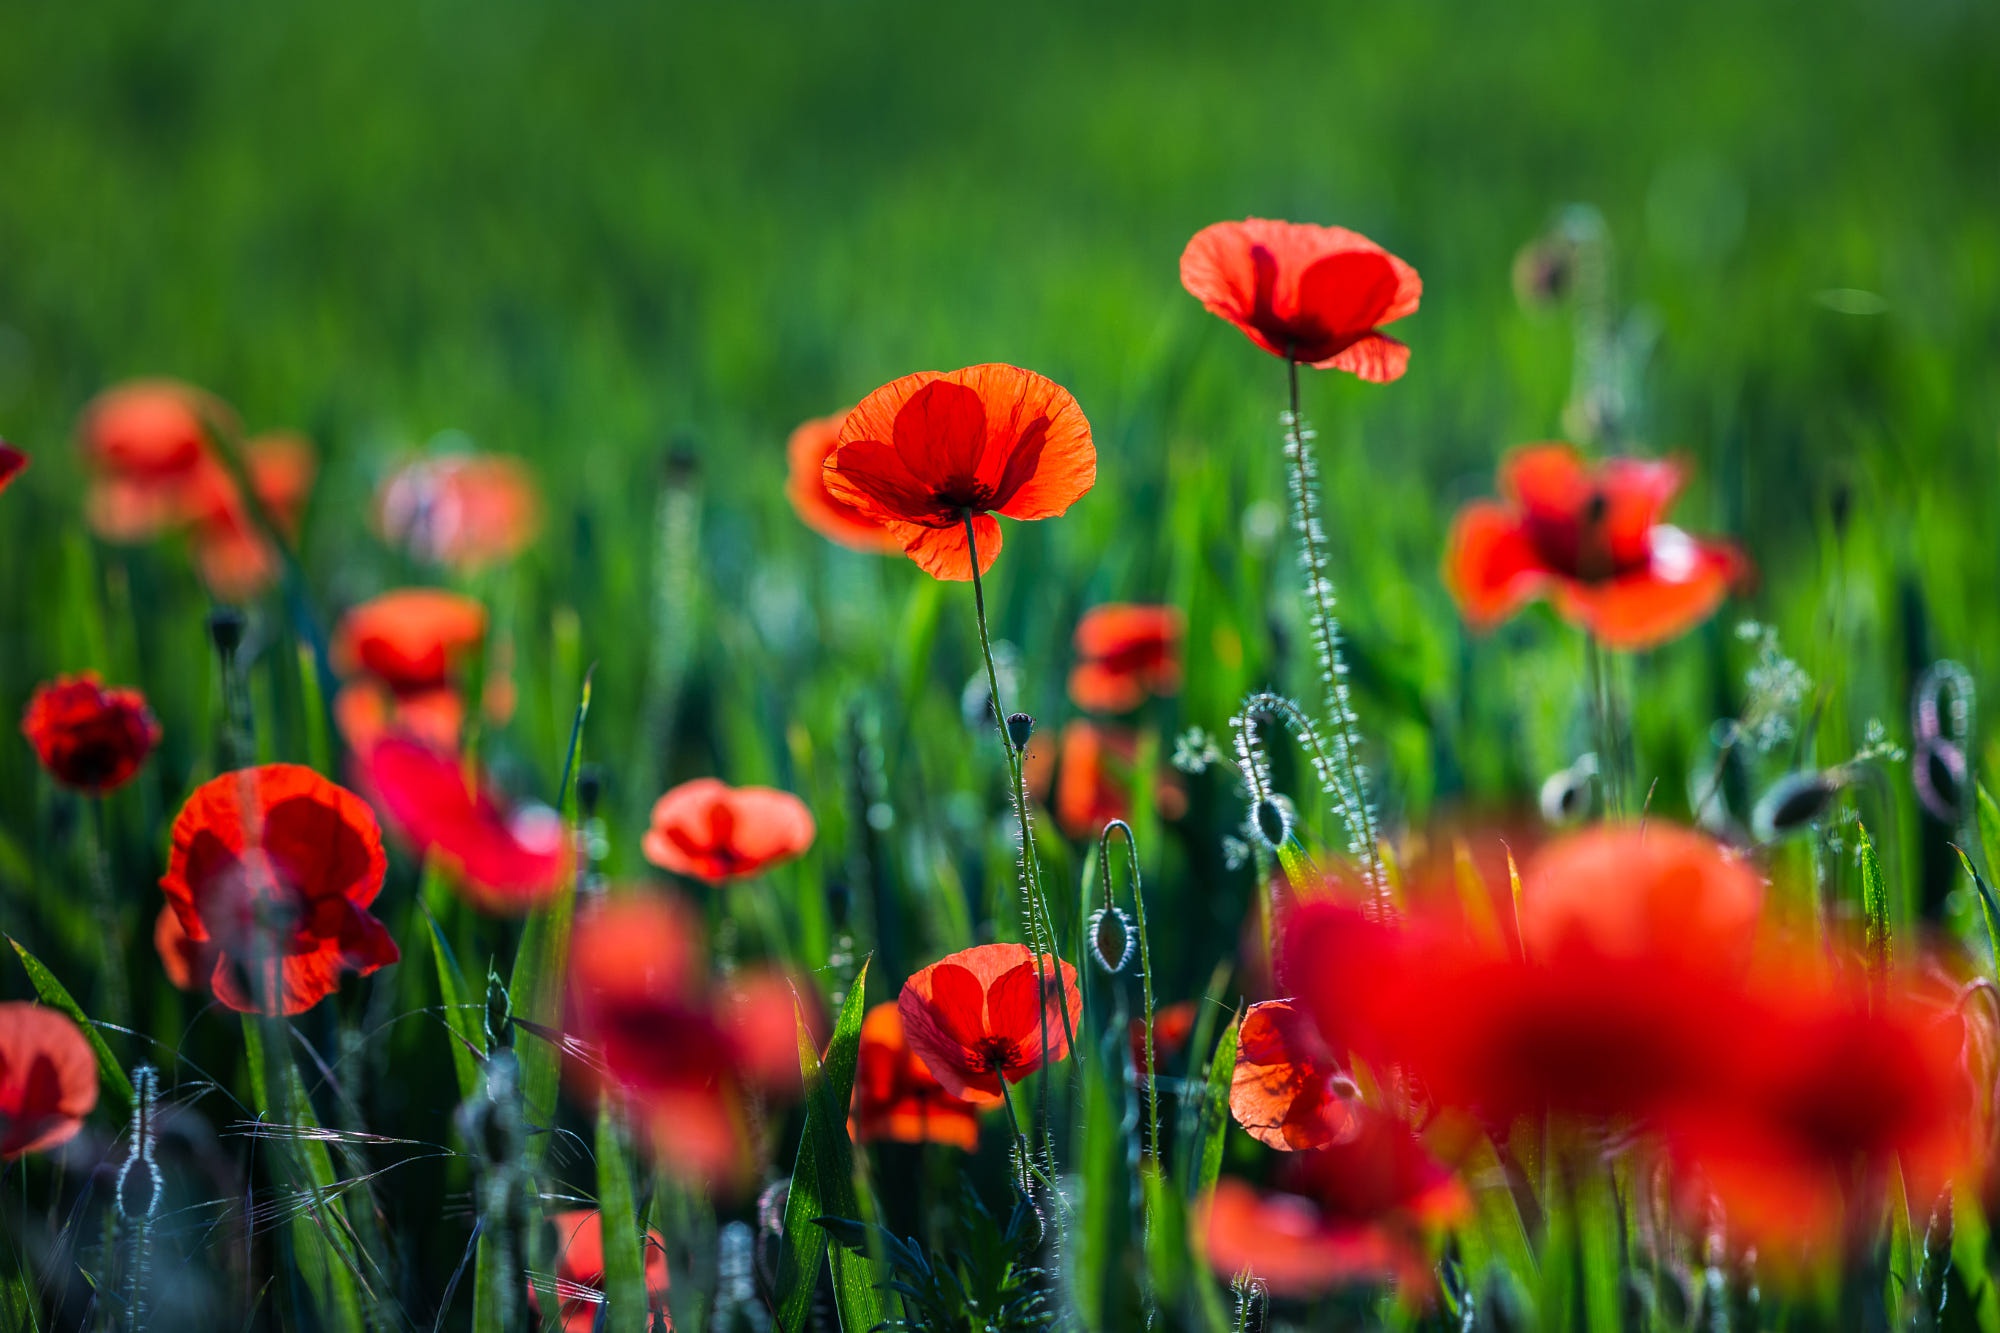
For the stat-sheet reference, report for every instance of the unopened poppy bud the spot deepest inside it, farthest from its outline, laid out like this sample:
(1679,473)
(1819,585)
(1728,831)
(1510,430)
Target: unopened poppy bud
(1274,823)
(225,629)
(1792,803)
(1111,938)
(589,789)
(1566,794)
(1020,726)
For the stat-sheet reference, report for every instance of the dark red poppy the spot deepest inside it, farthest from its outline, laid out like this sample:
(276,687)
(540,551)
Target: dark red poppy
(1591,538)
(1125,655)
(922,452)
(1287,1091)
(1173,1027)
(1094,779)
(503,861)
(680,1054)
(187,962)
(276,866)
(976,1017)
(48,1079)
(805,485)
(1317,295)
(466,512)
(896,1097)
(712,831)
(579,1258)
(1358,1211)
(88,737)
(12,464)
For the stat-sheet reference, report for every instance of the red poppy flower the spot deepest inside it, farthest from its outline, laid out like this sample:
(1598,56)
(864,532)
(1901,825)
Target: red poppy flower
(1173,1027)
(1318,295)
(1678,894)
(806,454)
(12,464)
(681,1055)
(88,737)
(400,654)
(1592,539)
(152,468)
(186,961)
(580,1272)
(1125,655)
(503,861)
(896,1097)
(463,511)
(1354,1212)
(48,1079)
(1287,1092)
(1094,779)
(275,866)
(712,831)
(922,452)
(976,1017)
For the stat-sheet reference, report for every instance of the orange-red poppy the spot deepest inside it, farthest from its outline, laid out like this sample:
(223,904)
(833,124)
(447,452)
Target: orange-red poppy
(712,831)
(1287,1091)
(1679,893)
(401,654)
(976,1017)
(1317,295)
(1357,1211)
(805,485)
(13,463)
(48,1079)
(1125,655)
(276,867)
(186,961)
(1592,539)
(463,511)
(503,861)
(579,1259)
(1173,1028)
(896,1097)
(1095,776)
(679,1053)
(88,737)
(923,452)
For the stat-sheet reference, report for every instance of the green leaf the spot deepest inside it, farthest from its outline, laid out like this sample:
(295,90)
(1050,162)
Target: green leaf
(1875,909)
(1215,1106)
(624,1260)
(1598,1249)
(1989,910)
(823,1180)
(468,1044)
(1989,830)
(56,996)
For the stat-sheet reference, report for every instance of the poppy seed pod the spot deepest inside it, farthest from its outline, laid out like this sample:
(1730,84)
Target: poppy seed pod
(1793,802)
(1565,797)
(1111,938)
(225,630)
(1272,822)
(1020,726)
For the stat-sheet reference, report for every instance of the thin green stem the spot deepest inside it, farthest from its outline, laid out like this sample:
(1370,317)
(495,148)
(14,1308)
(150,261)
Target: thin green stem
(1610,764)
(1145,965)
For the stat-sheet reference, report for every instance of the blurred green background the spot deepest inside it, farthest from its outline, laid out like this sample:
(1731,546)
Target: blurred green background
(635,244)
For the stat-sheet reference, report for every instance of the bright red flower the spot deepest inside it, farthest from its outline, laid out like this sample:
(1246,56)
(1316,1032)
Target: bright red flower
(1355,1212)
(1317,295)
(48,1079)
(12,464)
(463,511)
(1173,1028)
(156,428)
(1591,538)
(896,1097)
(187,962)
(1287,1091)
(401,654)
(712,831)
(580,1272)
(88,737)
(680,1054)
(805,485)
(1679,894)
(1094,779)
(1126,655)
(275,866)
(922,452)
(503,861)
(976,1017)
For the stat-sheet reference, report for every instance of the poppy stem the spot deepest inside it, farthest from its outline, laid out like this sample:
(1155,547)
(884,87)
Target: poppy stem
(1025,1177)
(1145,965)
(1610,761)
(1343,779)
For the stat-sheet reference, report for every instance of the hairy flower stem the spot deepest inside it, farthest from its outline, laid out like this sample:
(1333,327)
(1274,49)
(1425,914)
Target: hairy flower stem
(1343,779)
(1145,964)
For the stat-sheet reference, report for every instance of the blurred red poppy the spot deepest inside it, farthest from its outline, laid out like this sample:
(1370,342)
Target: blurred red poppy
(975,1017)
(87,737)
(679,1054)
(1317,295)
(922,452)
(1287,1092)
(1173,1027)
(1678,894)
(1125,655)
(12,464)
(1591,538)
(401,654)
(275,866)
(579,1286)
(463,511)
(186,961)
(1094,779)
(48,1079)
(503,861)
(1357,1211)
(805,455)
(712,831)
(896,1097)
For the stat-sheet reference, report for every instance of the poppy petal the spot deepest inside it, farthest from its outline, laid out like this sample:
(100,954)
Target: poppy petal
(941,432)
(13,463)
(1283,1092)
(1490,565)
(1375,357)
(1686,582)
(942,552)
(1347,291)
(806,454)
(1036,427)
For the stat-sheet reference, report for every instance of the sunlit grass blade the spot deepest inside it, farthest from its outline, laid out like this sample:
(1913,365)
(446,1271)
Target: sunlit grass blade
(56,996)
(823,1180)
(461,1017)
(1875,909)
(624,1261)
(1215,1107)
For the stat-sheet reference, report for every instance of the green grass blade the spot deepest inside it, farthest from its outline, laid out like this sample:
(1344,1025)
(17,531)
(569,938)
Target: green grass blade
(57,996)
(1989,910)
(823,1181)
(1989,830)
(1875,909)
(468,1043)
(624,1261)
(1215,1107)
